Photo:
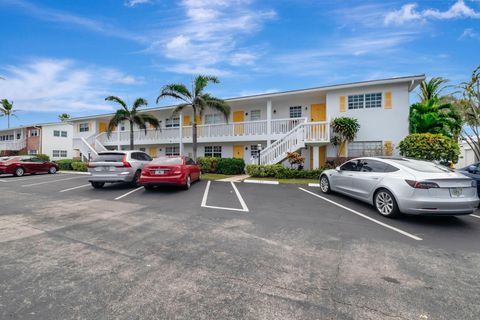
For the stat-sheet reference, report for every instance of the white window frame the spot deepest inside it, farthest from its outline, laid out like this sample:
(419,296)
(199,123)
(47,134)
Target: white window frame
(365,148)
(368,100)
(254,150)
(373,100)
(213,151)
(34,133)
(295,112)
(214,118)
(84,127)
(172,151)
(256,115)
(56,133)
(172,122)
(32,152)
(64,134)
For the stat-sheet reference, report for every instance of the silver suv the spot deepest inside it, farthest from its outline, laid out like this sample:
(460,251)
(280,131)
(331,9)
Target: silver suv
(117,166)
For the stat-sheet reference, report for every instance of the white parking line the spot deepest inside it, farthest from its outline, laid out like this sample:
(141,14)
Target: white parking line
(50,181)
(261,181)
(128,193)
(365,216)
(74,188)
(239,196)
(3,180)
(316,185)
(474,215)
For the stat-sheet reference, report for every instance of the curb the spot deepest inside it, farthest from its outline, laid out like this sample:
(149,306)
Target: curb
(75,172)
(261,181)
(317,185)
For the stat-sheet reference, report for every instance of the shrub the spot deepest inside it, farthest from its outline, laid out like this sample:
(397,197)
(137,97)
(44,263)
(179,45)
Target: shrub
(295,158)
(429,146)
(79,166)
(65,164)
(230,166)
(43,157)
(280,172)
(208,164)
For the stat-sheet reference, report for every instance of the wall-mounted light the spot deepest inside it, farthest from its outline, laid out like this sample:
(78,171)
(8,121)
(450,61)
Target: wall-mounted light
(246,113)
(246,148)
(160,149)
(306,108)
(274,111)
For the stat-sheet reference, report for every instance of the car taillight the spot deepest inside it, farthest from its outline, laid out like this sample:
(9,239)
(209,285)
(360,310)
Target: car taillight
(178,170)
(125,163)
(145,172)
(89,165)
(422,184)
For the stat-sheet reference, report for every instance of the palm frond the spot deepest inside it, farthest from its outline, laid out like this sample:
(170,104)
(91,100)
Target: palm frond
(180,108)
(176,91)
(201,82)
(150,119)
(431,89)
(139,103)
(120,115)
(117,100)
(218,105)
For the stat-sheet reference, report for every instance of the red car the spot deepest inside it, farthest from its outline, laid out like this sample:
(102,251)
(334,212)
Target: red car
(19,165)
(181,171)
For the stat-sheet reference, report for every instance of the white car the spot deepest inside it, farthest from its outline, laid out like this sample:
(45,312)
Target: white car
(400,185)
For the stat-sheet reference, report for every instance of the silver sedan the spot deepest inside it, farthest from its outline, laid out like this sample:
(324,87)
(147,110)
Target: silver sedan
(400,185)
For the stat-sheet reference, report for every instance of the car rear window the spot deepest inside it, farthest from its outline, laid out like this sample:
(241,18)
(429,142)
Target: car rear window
(422,166)
(109,157)
(168,160)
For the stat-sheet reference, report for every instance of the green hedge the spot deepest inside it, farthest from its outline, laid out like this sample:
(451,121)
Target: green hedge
(70,164)
(230,166)
(280,172)
(429,146)
(221,165)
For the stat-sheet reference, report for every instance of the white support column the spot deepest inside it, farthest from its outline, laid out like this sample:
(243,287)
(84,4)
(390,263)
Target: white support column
(316,157)
(118,137)
(180,135)
(269,121)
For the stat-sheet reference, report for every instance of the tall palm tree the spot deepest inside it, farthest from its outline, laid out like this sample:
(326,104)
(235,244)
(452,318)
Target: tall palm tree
(431,89)
(133,116)
(434,116)
(6,109)
(63,117)
(197,99)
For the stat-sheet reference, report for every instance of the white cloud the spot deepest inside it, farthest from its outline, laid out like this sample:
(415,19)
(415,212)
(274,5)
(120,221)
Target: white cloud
(470,33)
(61,85)
(133,3)
(409,13)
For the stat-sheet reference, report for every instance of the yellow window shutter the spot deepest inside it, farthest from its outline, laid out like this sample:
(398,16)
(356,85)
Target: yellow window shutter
(343,150)
(387,148)
(343,104)
(388,100)
(198,119)
(186,120)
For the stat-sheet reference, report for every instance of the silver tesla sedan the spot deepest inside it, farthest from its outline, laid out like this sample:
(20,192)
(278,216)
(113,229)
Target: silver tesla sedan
(400,185)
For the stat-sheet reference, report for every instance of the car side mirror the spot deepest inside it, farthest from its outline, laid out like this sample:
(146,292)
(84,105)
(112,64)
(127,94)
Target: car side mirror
(472,169)
(338,169)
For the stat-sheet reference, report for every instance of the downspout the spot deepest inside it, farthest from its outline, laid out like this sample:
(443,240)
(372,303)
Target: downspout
(40,138)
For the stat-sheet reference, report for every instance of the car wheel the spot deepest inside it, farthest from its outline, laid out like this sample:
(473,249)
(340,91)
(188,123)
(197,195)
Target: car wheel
(19,172)
(98,185)
(325,184)
(385,203)
(136,177)
(188,183)
(52,170)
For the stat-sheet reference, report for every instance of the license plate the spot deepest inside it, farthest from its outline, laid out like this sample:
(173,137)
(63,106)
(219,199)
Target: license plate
(456,192)
(111,169)
(98,169)
(159,171)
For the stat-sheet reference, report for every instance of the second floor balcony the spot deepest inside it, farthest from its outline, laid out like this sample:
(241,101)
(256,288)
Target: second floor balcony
(13,145)
(223,132)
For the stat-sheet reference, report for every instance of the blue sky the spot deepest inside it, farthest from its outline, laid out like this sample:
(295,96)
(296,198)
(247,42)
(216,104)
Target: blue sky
(67,56)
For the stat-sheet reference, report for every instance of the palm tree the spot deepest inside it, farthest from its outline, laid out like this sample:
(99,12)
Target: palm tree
(132,116)
(6,109)
(63,117)
(197,99)
(345,130)
(431,89)
(434,116)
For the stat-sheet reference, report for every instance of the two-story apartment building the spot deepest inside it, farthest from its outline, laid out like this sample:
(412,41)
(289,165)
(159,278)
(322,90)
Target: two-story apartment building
(52,139)
(297,120)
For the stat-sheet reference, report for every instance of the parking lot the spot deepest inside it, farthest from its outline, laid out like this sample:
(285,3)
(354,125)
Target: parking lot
(225,250)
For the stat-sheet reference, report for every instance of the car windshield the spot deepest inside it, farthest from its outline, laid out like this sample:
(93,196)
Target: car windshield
(5,158)
(422,166)
(168,160)
(109,157)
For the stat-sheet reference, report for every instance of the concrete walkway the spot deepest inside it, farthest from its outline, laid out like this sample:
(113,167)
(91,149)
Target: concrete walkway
(238,178)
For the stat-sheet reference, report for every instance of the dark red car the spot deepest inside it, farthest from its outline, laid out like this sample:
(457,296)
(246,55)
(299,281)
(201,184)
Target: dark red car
(181,171)
(19,165)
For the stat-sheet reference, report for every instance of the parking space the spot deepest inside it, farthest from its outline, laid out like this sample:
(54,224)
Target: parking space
(226,250)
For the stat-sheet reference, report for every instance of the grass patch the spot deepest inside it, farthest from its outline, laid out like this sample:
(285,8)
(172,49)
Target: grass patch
(288,181)
(214,176)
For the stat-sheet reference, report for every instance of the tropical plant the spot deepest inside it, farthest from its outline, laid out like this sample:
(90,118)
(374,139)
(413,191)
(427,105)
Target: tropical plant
(429,146)
(344,129)
(470,108)
(133,116)
(295,158)
(6,109)
(197,99)
(63,117)
(431,89)
(435,116)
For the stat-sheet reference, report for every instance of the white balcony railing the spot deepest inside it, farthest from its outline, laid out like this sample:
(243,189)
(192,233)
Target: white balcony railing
(14,145)
(205,132)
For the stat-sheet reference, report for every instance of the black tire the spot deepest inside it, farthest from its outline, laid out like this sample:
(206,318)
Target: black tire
(325,184)
(136,177)
(385,204)
(188,183)
(19,172)
(52,170)
(97,185)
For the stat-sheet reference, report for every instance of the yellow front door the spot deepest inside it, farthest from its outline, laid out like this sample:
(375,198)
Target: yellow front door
(102,127)
(318,112)
(238,116)
(152,152)
(238,152)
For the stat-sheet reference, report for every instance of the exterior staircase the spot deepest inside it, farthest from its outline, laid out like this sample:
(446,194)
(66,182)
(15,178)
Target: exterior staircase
(89,146)
(314,133)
